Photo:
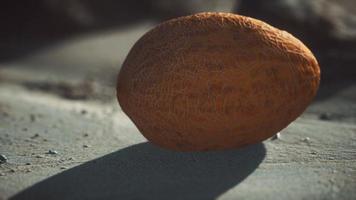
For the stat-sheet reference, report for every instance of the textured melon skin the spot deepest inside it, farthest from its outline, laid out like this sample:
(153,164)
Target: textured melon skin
(215,81)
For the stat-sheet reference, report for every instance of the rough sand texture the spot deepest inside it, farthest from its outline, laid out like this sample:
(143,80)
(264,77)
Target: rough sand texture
(101,155)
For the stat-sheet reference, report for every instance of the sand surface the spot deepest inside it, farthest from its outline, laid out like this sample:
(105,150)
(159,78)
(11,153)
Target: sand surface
(65,137)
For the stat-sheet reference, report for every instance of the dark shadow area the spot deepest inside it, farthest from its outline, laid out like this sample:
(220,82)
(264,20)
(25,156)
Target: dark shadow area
(144,171)
(336,74)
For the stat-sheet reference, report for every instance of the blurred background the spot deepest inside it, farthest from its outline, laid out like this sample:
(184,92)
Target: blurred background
(59,60)
(85,39)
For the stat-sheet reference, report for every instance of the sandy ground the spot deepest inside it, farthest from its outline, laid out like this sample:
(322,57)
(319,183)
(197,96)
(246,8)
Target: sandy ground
(65,137)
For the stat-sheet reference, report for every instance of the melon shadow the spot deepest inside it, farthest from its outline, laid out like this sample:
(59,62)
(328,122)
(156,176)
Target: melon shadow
(144,171)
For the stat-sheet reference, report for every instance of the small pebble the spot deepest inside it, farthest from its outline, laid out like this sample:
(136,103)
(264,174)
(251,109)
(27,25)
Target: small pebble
(52,152)
(85,146)
(3,159)
(276,137)
(28,163)
(35,136)
(324,116)
(32,117)
(5,114)
(12,170)
(306,139)
(86,135)
(63,168)
(39,156)
(83,112)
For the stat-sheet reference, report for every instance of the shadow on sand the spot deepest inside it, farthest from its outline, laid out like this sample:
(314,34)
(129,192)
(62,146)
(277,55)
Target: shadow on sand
(144,171)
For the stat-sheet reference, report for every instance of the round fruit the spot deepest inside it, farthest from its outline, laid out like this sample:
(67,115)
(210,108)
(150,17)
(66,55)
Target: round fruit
(214,81)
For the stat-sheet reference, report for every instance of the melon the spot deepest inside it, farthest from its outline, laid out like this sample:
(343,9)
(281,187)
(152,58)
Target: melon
(213,81)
